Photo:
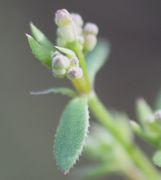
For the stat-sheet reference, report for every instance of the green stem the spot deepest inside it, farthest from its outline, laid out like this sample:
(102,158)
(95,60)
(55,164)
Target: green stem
(140,160)
(82,85)
(84,68)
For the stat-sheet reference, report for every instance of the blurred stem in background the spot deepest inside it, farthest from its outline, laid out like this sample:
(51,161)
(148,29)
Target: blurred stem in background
(142,168)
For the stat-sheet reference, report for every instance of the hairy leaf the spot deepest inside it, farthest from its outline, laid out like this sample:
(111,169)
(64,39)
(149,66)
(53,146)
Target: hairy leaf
(71,133)
(40,37)
(97,58)
(41,53)
(59,90)
(157,158)
(143,111)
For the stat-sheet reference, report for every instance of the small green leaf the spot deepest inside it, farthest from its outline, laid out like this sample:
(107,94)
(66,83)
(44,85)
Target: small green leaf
(66,51)
(59,90)
(145,135)
(41,53)
(157,158)
(143,111)
(137,128)
(97,58)
(40,37)
(71,133)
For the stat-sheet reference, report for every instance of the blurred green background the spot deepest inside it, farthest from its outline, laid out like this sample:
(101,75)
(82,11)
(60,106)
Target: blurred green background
(28,123)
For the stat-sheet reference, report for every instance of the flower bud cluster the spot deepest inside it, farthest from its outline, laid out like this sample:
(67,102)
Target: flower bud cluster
(63,66)
(71,28)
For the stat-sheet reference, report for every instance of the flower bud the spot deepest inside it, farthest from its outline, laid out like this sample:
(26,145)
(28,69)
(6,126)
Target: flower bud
(80,39)
(91,28)
(60,61)
(77,19)
(74,61)
(67,33)
(157,115)
(90,42)
(74,73)
(62,18)
(59,73)
(78,30)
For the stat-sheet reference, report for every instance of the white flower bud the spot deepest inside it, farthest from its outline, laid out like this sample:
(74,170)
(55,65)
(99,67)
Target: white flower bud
(91,28)
(78,30)
(67,33)
(74,61)
(74,73)
(77,19)
(90,42)
(80,39)
(59,73)
(62,18)
(157,115)
(60,61)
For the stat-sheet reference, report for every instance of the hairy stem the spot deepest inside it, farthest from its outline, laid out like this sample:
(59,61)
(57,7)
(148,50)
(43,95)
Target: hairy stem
(141,162)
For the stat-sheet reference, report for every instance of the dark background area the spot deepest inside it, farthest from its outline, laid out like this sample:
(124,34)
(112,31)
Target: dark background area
(28,123)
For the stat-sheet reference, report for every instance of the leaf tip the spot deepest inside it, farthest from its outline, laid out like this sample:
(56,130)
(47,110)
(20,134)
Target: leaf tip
(31,24)
(27,35)
(33,28)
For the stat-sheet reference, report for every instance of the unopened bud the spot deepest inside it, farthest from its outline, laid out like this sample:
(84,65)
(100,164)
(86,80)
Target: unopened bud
(78,30)
(60,61)
(59,73)
(77,19)
(74,61)
(91,28)
(154,117)
(80,39)
(90,42)
(62,17)
(67,33)
(157,115)
(74,73)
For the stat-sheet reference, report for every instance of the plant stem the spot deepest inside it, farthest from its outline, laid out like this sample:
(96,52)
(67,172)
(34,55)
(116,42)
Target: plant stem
(133,152)
(82,85)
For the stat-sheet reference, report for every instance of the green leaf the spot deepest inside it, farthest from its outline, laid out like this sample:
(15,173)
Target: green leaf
(97,58)
(40,37)
(59,90)
(41,53)
(143,111)
(71,133)
(66,51)
(157,158)
(137,128)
